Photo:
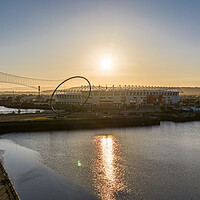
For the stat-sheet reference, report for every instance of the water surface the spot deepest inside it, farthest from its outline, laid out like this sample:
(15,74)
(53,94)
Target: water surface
(5,110)
(159,162)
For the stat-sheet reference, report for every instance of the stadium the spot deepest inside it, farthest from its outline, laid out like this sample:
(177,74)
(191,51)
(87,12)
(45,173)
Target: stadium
(119,96)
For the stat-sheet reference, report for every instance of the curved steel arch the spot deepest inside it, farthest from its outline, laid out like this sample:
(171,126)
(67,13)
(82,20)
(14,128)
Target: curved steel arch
(73,77)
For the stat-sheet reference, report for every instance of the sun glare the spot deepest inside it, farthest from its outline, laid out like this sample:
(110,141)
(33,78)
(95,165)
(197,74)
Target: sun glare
(106,64)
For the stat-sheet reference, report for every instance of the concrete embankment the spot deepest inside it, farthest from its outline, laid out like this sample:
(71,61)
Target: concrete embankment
(48,122)
(75,124)
(7,190)
(180,118)
(173,117)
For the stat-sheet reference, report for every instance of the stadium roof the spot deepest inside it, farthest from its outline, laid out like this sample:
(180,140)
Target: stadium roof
(123,88)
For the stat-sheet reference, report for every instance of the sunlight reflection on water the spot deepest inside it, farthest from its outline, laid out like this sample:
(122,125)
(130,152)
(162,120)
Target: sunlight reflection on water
(109,168)
(160,162)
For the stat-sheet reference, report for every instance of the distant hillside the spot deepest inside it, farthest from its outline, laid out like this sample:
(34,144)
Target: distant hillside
(190,90)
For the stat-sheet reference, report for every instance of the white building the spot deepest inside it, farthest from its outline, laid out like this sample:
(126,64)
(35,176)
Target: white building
(118,96)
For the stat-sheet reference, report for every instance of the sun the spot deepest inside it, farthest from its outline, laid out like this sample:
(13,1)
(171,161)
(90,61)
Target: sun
(106,64)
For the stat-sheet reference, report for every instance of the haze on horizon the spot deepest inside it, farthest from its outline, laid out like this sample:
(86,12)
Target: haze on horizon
(139,42)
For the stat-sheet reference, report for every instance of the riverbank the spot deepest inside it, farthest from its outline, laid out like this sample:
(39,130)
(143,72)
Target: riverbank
(7,190)
(81,121)
(31,123)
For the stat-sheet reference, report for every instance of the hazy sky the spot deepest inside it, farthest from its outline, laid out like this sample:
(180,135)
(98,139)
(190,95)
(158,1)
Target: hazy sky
(146,42)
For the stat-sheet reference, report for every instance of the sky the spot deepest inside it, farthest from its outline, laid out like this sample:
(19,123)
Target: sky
(126,42)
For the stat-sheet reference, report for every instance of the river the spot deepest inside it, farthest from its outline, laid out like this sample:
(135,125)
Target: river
(5,110)
(158,162)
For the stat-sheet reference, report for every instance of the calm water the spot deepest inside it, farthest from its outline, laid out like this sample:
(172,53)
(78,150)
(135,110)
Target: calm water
(160,162)
(5,110)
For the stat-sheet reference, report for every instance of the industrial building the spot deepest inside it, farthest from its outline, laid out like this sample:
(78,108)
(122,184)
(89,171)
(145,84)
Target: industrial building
(119,96)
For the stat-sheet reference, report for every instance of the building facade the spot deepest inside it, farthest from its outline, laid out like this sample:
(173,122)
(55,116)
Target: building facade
(119,96)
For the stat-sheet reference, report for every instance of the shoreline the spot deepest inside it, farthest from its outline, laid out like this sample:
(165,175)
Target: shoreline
(48,122)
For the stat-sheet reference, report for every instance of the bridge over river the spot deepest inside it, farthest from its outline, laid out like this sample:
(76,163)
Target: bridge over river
(34,83)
